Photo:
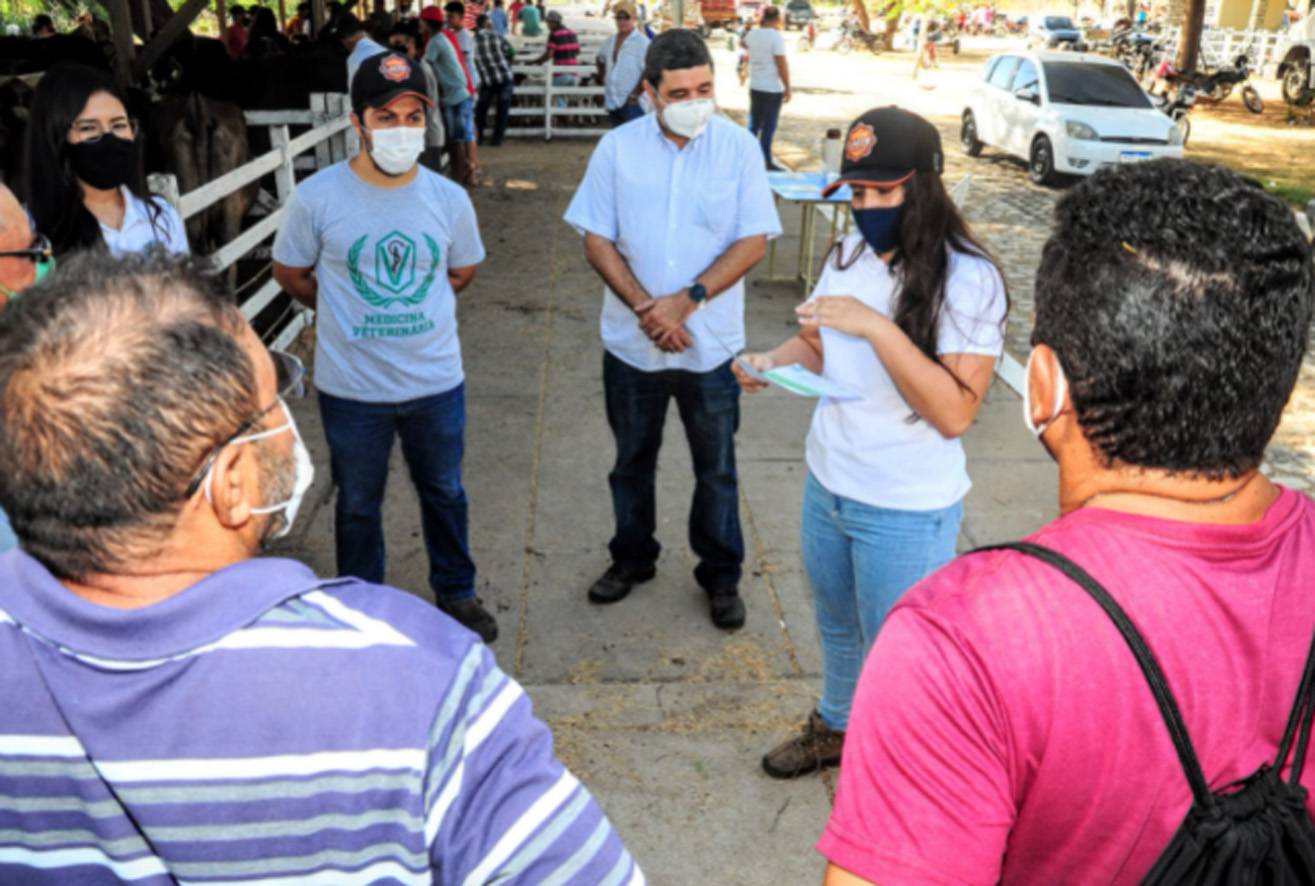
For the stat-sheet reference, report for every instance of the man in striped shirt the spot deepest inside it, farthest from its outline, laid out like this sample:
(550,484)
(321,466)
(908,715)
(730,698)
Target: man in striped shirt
(564,50)
(179,711)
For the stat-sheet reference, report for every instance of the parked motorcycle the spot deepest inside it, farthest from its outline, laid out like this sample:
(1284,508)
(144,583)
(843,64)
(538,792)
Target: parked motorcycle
(873,43)
(836,39)
(1213,87)
(1178,107)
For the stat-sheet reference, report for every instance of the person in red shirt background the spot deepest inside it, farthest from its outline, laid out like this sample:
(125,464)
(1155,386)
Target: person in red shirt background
(236,38)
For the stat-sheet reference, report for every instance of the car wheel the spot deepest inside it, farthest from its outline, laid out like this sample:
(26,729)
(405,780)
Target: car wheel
(1294,82)
(1252,99)
(968,135)
(1184,125)
(1041,162)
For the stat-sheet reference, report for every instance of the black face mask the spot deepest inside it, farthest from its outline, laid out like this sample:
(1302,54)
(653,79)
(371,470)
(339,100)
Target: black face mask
(106,163)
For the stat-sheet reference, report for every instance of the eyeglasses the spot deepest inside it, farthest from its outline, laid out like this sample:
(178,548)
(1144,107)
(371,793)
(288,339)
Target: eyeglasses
(40,250)
(90,131)
(290,377)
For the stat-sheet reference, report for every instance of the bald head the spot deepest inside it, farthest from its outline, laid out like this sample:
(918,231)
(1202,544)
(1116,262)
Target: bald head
(16,274)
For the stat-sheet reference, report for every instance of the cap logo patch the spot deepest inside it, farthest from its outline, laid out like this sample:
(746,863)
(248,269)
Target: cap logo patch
(395,68)
(862,139)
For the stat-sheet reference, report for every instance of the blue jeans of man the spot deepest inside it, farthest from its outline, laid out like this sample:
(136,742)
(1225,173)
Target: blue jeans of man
(360,438)
(563,101)
(501,93)
(764,113)
(624,115)
(860,560)
(709,406)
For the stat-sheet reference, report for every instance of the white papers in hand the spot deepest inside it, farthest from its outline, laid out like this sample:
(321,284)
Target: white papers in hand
(798,380)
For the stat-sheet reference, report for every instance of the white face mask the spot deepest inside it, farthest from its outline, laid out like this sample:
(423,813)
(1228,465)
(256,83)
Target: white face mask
(303,478)
(688,119)
(1060,390)
(396,150)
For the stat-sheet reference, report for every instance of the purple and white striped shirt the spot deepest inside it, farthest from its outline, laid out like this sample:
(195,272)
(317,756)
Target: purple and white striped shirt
(269,728)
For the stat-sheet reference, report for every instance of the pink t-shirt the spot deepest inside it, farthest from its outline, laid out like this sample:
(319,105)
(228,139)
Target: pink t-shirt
(1003,733)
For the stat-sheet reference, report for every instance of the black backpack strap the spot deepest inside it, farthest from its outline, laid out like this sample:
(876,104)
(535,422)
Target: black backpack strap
(1303,709)
(1164,699)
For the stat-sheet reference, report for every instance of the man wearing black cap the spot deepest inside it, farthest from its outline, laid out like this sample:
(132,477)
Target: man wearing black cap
(380,247)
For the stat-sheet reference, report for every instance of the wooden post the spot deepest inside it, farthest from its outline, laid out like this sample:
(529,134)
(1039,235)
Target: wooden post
(125,51)
(221,17)
(283,16)
(317,16)
(172,30)
(284,178)
(164,185)
(147,20)
(319,106)
(547,101)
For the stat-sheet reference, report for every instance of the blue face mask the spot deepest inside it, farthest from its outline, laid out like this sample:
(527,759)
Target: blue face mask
(880,227)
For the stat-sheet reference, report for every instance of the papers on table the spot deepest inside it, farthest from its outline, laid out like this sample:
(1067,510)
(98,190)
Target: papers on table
(798,380)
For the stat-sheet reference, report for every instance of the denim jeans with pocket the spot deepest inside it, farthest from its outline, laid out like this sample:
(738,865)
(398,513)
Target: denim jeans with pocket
(709,406)
(860,560)
(360,439)
(624,114)
(499,95)
(764,114)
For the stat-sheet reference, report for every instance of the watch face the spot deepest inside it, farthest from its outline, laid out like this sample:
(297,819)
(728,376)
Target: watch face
(697,292)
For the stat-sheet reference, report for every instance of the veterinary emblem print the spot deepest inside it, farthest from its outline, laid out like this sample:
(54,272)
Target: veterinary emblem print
(395,259)
(861,142)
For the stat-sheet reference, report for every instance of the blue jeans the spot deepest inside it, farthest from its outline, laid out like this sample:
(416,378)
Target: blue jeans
(459,121)
(624,115)
(709,404)
(360,442)
(764,113)
(563,101)
(860,560)
(487,95)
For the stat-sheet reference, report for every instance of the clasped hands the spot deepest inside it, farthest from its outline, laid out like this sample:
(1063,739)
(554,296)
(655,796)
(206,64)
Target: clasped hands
(663,319)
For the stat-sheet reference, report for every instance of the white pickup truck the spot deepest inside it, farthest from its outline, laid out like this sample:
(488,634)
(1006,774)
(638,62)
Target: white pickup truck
(1294,54)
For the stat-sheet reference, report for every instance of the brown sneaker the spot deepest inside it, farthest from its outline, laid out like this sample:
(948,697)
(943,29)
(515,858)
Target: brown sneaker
(815,748)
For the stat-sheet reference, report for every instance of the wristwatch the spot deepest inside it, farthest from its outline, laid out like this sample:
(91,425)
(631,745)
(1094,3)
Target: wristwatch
(698,294)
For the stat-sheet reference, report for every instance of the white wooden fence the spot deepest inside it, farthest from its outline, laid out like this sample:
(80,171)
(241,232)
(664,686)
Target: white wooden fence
(1220,46)
(579,100)
(329,140)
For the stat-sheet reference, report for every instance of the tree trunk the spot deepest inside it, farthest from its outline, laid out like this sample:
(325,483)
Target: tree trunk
(160,12)
(1189,43)
(861,13)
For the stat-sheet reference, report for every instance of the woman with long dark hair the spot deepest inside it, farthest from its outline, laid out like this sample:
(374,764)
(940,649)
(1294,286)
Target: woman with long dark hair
(264,40)
(908,316)
(85,183)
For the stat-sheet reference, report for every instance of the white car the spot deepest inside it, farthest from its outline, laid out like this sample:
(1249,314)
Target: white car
(1065,114)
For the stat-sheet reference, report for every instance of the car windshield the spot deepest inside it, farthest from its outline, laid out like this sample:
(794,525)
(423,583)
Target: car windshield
(1059,23)
(1074,83)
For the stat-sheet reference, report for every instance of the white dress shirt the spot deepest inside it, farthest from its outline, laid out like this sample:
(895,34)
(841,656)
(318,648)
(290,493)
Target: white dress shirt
(138,234)
(671,213)
(623,74)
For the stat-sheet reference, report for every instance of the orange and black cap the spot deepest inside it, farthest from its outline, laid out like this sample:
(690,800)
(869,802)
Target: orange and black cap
(885,147)
(384,78)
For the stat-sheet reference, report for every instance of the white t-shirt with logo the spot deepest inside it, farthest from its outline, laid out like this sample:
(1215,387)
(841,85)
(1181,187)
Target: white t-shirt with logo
(386,318)
(765,46)
(867,450)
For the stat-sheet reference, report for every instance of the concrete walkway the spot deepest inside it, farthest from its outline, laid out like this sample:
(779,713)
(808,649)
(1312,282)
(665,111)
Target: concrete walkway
(663,716)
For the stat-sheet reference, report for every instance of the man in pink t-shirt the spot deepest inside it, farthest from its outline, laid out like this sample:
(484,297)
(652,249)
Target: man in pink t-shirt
(1002,731)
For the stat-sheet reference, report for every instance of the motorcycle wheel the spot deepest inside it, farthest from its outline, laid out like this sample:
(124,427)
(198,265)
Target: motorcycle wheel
(877,45)
(845,46)
(1294,83)
(1252,99)
(954,46)
(1220,91)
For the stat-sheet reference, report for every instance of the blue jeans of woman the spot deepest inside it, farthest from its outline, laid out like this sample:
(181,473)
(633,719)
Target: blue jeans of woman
(360,439)
(860,560)
(709,405)
(764,112)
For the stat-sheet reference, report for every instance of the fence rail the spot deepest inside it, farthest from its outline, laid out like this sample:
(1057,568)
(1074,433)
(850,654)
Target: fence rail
(330,139)
(576,101)
(1219,46)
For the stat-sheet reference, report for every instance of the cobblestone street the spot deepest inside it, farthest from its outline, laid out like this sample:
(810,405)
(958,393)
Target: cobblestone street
(1009,213)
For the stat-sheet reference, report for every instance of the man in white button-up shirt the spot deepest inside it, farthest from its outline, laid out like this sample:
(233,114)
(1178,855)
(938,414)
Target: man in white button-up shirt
(621,58)
(675,209)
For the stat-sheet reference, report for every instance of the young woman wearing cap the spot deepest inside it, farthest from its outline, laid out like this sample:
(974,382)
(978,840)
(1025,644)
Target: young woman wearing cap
(908,314)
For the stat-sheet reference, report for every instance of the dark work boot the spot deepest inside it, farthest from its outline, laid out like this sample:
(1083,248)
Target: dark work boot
(472,614)
(727,608)
(816,747)
(617,582)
